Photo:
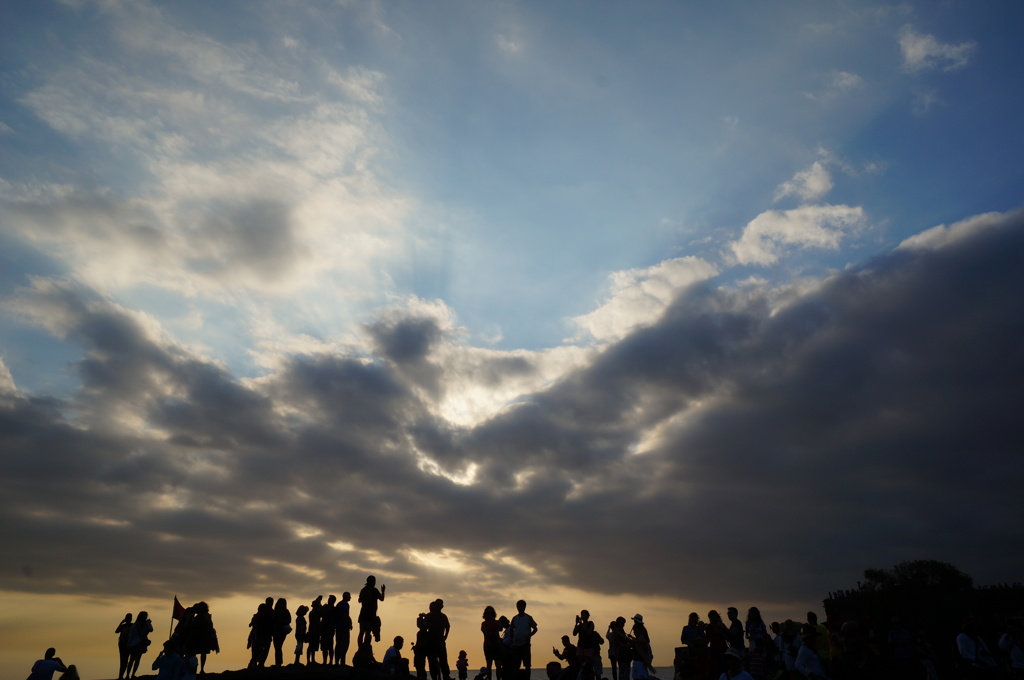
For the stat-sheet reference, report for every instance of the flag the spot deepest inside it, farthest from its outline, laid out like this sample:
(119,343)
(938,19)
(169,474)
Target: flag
(179,611)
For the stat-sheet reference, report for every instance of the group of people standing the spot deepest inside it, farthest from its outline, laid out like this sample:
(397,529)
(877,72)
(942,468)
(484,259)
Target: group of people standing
(628,653)
(323,627)
(132,642)
(183,654)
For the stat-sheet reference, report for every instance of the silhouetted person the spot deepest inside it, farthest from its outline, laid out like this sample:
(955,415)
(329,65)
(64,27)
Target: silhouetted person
(313,634)
(262,633)
(124,632)
(570,655)
(363,659)
(343,635)
(189,667)
(369,622)
(620,649)
(300,632)
(494,649)
(194,635)
(168,662)
(440,627)
(588,642)
(44,668)
(420,648)
(201,637)
(754,629)
(735,635)
(138,642)
(328,627)
(281,627)
(523,629)
(820,639)
(393,663)
(643,657)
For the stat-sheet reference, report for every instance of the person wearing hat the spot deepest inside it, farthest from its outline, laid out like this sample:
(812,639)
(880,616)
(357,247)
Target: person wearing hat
(734,665)
(642,667)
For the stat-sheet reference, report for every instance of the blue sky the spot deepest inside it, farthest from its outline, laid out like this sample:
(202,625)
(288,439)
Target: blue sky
(514,248)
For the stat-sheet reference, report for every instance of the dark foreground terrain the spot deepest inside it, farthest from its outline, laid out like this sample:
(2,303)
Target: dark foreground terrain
(290,673)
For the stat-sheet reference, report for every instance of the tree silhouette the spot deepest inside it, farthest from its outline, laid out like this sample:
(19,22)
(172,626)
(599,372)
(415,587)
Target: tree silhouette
(928,596)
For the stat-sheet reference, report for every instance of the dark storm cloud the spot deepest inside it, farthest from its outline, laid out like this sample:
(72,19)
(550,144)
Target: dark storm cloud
(731,451)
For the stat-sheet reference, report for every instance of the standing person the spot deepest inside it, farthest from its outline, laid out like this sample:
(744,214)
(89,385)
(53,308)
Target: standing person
(420,648)
(124,631)
(262,635)
(202,636)
(694,638)
(735,635)
(369,622)
(440,627)
(623,648)
(343,612)
(138,642)
(821,639)
(328,627)
(588,642)
(280,628)
(44,668)
(755,629)
(644,657)
(523,628)
(613,650)
(313,633)
(300,632)
(462,663)
(718,636)
(493,647)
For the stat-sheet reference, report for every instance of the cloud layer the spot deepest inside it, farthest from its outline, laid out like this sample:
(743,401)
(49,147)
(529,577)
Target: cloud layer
(815,432)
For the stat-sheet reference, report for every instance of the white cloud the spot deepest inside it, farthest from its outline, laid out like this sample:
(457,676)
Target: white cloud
(921,51)
(234,195)
(7,385)
(811,184)
(839,83)
(639,296)
(809,226)
(940,236)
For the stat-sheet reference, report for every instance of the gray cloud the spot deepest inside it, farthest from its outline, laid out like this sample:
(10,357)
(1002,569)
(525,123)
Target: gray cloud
(743,451)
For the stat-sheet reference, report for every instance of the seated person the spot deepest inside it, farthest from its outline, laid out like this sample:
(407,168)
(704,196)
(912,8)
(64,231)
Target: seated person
(393,663)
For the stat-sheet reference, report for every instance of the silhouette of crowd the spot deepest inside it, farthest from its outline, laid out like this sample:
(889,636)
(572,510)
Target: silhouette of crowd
(715,649)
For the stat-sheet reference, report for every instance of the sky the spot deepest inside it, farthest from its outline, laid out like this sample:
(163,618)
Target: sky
(634,307)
